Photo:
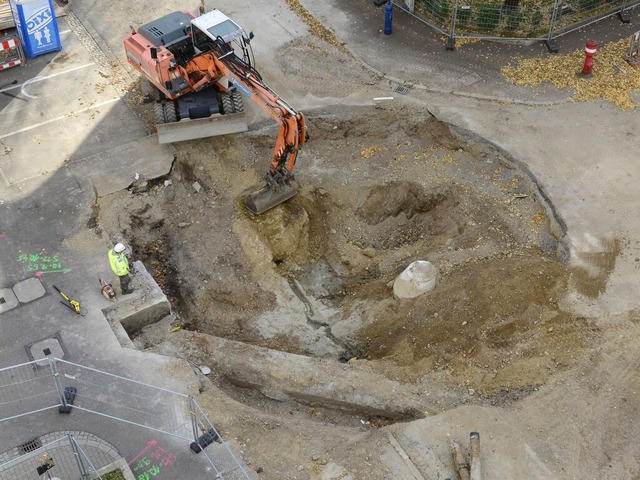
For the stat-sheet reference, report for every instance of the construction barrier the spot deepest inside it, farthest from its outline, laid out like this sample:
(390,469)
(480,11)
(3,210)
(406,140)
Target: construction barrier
(10,52)
(632,55)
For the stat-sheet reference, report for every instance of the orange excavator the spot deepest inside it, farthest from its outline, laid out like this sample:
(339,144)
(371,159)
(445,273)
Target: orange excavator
(197,76)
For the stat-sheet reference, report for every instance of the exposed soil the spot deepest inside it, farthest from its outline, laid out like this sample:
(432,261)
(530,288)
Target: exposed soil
(381,187)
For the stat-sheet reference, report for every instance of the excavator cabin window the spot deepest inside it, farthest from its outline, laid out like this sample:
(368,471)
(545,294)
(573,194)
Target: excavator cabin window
(200,39)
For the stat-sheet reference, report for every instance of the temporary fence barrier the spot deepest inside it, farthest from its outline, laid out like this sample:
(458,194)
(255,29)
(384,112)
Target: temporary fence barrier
(52,383)
(516,20)
(11,53)
(632,55)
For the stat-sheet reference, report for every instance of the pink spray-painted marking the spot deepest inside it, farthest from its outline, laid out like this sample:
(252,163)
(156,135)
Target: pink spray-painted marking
(150,444)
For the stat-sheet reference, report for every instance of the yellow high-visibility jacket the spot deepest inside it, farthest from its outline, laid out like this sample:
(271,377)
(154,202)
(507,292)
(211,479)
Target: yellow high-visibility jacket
(119,263)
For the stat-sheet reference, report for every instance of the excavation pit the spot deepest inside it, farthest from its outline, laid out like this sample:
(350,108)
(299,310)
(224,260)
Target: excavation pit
(380,189)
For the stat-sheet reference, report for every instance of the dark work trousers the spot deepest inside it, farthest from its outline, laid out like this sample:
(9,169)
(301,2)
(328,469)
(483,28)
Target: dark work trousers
(124,284)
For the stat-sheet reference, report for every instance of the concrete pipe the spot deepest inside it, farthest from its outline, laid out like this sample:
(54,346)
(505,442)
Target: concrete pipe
(418,278)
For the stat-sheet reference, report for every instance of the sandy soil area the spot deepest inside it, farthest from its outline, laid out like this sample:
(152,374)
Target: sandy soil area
(381,186)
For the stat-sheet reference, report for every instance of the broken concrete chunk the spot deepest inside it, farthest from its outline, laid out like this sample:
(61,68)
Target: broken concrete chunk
(197,187)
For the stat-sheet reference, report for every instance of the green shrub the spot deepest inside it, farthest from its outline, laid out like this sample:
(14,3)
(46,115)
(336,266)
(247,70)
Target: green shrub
(589,4)
(536,19)
(440,10)
(114,475)
(514,21)
(488,17)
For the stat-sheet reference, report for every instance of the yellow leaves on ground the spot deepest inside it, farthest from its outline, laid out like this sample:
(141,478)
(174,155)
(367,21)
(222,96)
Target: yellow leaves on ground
(315,27)
(367,152)
(614,79)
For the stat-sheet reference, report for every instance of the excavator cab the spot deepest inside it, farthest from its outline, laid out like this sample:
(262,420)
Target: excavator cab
(215,29)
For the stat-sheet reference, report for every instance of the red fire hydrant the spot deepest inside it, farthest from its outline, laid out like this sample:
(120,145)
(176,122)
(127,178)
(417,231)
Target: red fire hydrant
(589,52)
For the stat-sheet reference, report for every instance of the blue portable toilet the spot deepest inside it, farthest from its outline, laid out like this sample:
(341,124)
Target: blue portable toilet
(36,25)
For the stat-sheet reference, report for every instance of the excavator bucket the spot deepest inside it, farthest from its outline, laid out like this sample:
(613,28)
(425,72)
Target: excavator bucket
(271,195)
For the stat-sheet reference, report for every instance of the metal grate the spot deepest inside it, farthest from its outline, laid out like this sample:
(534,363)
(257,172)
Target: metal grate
(401,90)
(30,446)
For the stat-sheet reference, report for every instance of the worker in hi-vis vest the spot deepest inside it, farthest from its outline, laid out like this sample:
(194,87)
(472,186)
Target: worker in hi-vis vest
(120,266)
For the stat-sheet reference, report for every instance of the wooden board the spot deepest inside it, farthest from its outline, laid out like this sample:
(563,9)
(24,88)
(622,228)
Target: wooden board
(6,19)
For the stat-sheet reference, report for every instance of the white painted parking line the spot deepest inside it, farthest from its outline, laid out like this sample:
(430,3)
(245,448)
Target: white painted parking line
(61,117)
(41,79)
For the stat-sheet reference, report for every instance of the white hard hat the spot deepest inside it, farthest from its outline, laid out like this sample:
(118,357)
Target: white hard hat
(119,248)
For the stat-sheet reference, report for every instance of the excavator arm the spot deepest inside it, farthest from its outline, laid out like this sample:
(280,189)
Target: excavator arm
(222,62)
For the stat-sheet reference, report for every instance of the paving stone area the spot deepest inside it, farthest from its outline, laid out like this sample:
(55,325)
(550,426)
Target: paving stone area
(18,464)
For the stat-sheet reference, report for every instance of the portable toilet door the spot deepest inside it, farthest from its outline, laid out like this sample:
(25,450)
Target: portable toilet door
(36,25)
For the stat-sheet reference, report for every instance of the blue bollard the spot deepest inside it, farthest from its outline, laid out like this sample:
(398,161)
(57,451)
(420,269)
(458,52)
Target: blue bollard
(388,18)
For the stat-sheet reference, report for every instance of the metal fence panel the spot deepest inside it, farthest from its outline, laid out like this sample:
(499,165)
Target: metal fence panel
(27,388)
(219,455)
(524,19)
(127,400)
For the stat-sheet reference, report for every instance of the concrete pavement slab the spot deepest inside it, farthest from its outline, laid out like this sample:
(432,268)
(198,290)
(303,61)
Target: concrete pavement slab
(47,347)
(29,290)
(8,300)
(115,169)
(68,110)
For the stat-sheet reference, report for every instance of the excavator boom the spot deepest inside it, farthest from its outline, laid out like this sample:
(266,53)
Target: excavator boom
(220,60)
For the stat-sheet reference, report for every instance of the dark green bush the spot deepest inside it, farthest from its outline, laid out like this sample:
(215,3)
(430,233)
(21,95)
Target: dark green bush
(589,4)
(440,10)
(536,19)
(114,475)
(488,17)
(514,21)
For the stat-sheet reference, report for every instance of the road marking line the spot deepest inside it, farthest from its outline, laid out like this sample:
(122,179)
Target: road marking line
(40,79)
(61,117)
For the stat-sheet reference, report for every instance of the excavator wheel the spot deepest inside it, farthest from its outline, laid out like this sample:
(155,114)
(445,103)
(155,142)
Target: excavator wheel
(227,103)
(170,112)
(236,98)
(158,112)
(270,196)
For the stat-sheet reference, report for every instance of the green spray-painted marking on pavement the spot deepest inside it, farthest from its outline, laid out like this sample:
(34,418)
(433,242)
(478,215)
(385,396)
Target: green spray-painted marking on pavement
(41,264)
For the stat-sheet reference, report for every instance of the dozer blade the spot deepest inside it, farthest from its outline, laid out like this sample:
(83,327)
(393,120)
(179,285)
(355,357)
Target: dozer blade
(212,126)
(270,196)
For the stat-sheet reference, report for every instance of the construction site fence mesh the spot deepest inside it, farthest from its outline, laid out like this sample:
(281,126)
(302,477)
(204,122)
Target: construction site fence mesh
(513,19)
(53,383)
